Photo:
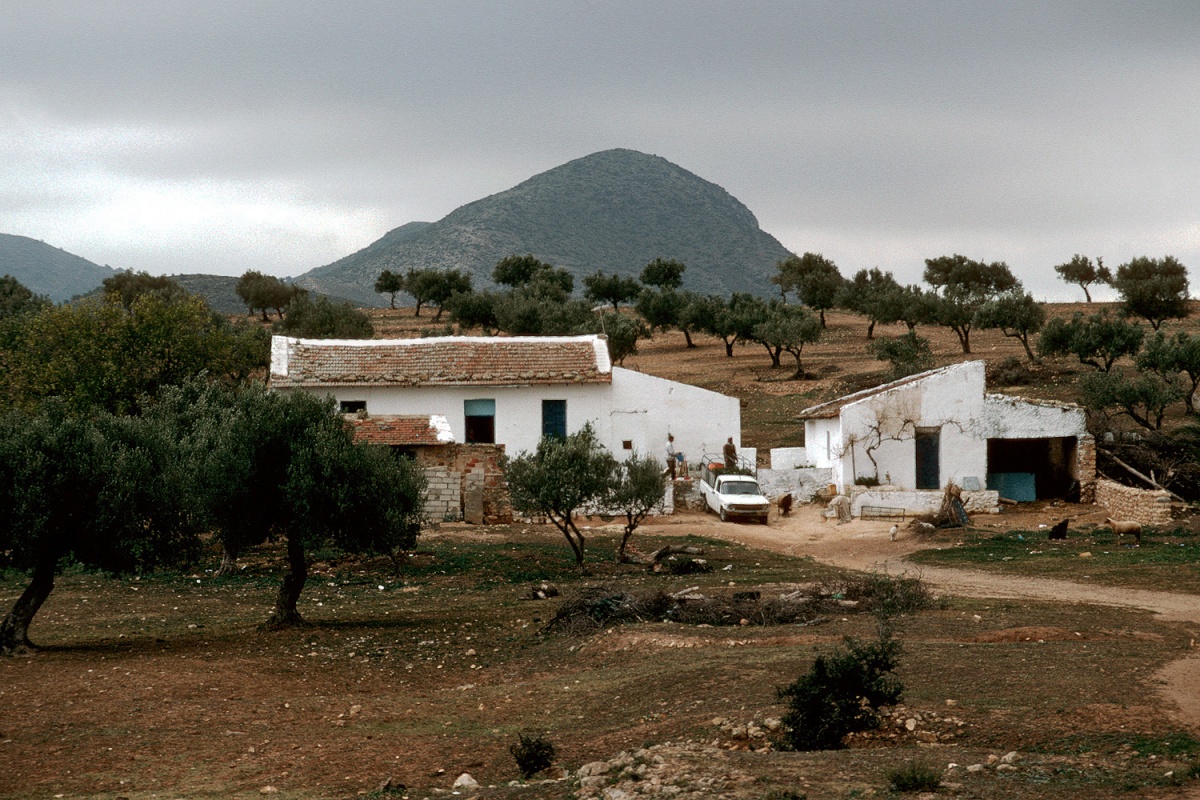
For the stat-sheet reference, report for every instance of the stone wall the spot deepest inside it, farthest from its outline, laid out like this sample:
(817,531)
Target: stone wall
(465,483)
(1085,468)
(1149,507)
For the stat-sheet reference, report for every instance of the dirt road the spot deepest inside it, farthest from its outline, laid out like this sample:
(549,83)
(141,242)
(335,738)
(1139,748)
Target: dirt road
(867,545)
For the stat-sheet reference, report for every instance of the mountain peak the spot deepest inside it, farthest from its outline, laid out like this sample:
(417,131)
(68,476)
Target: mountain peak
(614,210)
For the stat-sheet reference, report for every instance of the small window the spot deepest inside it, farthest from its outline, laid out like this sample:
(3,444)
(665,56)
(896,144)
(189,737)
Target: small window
(627,444)
(480,421)
(554,418)
(352,406)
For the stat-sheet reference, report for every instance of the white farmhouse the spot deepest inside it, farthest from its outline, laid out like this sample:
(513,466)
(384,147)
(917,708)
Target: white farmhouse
(510,390)
(941,426)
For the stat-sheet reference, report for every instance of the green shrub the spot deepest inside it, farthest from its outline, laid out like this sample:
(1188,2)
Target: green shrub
(908,354)
(533,753)
(841,694)
(915,777)
(866,480)
(881,593)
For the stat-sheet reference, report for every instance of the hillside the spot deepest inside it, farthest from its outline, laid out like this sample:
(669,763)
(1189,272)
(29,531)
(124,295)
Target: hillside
(48,270)
(614,210)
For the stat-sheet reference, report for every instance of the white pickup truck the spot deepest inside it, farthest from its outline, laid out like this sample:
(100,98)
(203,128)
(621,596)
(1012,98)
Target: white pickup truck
(732,496)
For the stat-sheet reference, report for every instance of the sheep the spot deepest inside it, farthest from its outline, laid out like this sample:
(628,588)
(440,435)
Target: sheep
(1059,531)
(784,501)
(1125,527)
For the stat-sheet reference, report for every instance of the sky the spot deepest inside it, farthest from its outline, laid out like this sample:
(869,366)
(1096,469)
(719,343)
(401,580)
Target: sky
(178,137)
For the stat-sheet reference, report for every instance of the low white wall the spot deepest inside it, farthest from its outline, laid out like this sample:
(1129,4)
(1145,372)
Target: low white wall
(802,483)
(789,458)
(985,501)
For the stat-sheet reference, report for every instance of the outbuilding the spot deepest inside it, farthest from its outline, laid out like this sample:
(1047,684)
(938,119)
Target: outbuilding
(927,430)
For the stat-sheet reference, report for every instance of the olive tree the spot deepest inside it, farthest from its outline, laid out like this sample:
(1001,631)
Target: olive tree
(1153,288)
(99,489)
(1083,273)
(961,286)
(558,479)
(1097,340)
(635,489)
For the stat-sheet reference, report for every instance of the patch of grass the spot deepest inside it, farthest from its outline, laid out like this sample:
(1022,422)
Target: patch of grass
(1166,561)
(915,777)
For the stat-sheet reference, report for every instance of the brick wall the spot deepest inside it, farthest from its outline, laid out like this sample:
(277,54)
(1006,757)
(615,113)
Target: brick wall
(1149,507)
(465,483)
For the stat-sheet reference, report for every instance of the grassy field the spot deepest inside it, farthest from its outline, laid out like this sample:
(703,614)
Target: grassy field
(163,686)
(1165,561)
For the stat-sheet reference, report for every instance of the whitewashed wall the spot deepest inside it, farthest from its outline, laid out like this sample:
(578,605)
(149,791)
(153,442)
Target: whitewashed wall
(951,399)
(645,408)
(518,408)
(637,407)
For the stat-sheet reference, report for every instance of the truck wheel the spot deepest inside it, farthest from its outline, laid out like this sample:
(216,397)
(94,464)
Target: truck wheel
(724,517)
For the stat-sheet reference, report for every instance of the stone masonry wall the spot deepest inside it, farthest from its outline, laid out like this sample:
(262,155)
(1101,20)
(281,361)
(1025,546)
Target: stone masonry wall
(466,483)
(1149,507)
(1085,468)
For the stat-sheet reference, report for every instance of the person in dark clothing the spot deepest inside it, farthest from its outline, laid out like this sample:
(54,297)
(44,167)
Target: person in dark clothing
(730,452)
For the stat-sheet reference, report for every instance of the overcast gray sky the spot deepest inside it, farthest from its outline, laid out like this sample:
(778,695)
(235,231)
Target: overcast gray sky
(225,136)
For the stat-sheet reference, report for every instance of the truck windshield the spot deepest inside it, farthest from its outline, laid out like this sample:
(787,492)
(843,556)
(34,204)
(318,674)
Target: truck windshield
(740,487)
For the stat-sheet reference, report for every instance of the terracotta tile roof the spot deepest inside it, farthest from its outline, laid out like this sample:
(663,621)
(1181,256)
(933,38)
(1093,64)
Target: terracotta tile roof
(419,429)
(444,361)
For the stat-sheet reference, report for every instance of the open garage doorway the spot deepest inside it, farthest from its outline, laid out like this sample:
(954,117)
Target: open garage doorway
(1033,469)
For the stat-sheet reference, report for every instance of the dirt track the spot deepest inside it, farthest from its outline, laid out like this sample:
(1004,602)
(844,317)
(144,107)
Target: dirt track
(867,546)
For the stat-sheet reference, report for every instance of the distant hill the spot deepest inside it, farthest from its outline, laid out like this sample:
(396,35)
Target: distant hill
(614,210)
(48,270)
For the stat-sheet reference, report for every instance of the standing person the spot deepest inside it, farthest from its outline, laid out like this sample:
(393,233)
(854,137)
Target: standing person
(730,454)
(672,456)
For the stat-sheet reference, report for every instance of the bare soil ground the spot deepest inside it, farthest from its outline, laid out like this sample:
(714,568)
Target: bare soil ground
(163,686)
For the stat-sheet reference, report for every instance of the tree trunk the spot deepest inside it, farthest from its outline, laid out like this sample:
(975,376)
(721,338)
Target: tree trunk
(774,353)
(228,562)
(438,315)
(964,338)
(1028,351)
(729,348)
(1087,295)
(798,375)
(14,630)
(687,337)
(285,614)
(870,330)
(822,318)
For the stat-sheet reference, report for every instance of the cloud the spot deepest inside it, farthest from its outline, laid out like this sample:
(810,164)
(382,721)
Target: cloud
(277,135)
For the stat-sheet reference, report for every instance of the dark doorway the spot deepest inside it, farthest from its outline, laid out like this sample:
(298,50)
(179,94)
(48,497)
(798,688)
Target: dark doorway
(554,418)
(1050,461)
(929,466)
(480,419)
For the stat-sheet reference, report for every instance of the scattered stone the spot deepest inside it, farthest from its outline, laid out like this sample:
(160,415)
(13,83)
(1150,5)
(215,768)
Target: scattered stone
(975,768)
(355,709)
(1010,757)
(910,724)
(1005,768)
(465,782)
(992,758)
(268,790)
(593,768)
